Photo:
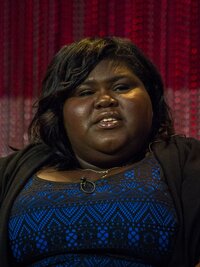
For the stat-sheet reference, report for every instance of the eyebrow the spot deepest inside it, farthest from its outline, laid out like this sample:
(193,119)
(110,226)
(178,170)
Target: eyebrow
(111,79)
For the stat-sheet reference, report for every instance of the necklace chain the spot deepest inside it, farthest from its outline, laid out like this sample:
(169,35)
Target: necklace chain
(88,186)
(103,172)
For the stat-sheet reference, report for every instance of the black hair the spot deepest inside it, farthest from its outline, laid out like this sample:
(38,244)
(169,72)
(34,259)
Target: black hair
(69,68)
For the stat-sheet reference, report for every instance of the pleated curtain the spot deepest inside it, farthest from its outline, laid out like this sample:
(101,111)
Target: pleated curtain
(32,31)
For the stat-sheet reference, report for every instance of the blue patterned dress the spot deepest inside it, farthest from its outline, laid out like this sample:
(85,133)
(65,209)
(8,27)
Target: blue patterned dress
(129,220)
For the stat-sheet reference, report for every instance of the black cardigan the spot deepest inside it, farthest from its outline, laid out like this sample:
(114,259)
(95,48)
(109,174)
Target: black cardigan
(180,161)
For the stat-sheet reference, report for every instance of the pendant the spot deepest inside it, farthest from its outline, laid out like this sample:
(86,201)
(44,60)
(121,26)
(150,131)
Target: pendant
(86,186)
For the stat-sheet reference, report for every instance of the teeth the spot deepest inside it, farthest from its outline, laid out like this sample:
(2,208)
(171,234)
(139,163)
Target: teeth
(109,119)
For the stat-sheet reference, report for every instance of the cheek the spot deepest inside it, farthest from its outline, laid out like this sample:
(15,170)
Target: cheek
(139,112)
(74,116)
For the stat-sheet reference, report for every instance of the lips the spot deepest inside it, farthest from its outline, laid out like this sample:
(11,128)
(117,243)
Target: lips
(108,120)
(108,123)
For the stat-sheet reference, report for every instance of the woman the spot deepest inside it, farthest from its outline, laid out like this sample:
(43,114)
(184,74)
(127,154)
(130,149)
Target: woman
(104,181)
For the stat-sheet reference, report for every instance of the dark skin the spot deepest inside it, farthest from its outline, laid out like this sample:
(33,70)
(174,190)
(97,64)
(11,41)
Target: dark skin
(107,119)
(110,91)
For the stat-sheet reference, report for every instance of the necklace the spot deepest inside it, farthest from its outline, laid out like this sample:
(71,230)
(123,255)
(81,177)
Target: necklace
(103,172)
(88,186)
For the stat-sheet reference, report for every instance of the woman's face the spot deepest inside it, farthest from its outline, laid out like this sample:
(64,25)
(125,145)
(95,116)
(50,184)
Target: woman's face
(108,117)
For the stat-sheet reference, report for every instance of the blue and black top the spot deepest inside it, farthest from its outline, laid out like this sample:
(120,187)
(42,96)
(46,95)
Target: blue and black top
(129,220)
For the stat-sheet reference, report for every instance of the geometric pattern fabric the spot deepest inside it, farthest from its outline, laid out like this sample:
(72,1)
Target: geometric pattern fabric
(129,220)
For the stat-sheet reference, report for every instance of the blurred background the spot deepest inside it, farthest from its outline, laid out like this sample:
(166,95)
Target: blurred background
(32,31)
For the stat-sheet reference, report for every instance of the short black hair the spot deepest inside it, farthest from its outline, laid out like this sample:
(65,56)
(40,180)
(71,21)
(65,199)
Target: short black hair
(69,68)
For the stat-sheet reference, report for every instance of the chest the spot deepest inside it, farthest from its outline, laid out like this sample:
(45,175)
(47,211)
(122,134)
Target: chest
(130,214)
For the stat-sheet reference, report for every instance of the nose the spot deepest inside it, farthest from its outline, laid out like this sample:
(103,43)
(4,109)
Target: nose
(105,100)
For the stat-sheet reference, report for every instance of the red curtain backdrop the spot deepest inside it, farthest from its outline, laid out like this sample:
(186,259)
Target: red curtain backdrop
(32,31)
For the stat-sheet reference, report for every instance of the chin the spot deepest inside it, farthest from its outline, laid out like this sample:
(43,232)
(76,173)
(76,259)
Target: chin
(111,146)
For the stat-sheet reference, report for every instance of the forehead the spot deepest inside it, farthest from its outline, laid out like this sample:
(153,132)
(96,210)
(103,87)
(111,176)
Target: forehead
(106,69)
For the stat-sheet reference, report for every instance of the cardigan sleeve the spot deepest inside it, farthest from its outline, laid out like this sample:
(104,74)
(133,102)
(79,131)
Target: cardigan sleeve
(6,165)
(14,172)
(191,197)
(24,159)
(180,161)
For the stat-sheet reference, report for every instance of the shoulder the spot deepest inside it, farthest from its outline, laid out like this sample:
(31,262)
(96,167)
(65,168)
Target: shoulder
(180,156)
(31,151)
(188,150)
(186,142)
(20,164)
(182,145)
(28,157)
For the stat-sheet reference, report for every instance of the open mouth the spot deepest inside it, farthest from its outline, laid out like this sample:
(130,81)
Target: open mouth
(109,123)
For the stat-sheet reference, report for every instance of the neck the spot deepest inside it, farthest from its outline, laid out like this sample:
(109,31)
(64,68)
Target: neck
(86,165)
(107,165)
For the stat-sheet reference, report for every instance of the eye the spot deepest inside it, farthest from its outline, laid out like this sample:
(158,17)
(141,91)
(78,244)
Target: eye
(121,87)
(84,92)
